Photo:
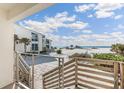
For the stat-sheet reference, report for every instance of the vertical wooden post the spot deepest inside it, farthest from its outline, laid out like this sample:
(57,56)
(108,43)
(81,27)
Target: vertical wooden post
(76,72)
(33,71)
(59,73)
(116,80)
(62,73)
(43,82)
(122,75)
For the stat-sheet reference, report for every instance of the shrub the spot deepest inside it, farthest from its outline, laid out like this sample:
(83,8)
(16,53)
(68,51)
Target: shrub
(59,51)
(109,56)
(84,55)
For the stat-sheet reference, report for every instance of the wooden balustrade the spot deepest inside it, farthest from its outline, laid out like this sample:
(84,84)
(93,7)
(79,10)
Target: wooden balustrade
(86,73)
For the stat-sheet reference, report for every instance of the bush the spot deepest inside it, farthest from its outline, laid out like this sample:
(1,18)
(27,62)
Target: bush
(59,51)
(109,56)
(84,55)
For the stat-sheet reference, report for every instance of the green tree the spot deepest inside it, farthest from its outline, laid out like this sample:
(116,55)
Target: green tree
(118,48)
(26,42)
(16,39)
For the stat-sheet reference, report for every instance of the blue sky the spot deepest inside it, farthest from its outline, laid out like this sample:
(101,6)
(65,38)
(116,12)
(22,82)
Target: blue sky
(79,24)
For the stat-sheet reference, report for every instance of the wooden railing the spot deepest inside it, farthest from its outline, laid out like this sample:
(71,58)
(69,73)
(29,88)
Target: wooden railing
(24,74)
(86,73)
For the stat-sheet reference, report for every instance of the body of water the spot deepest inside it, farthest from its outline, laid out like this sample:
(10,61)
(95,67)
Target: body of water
(95,46)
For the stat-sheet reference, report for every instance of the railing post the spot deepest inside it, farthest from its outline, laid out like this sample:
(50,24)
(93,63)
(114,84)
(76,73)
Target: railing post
(61,72)
(33,71)
(122,75)
(76,72)
(116,80)
(43,82)
(17,70)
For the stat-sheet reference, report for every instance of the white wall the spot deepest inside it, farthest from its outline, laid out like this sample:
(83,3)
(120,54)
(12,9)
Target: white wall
(6,50)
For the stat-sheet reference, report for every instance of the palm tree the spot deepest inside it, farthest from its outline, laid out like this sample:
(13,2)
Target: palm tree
(26,42)
(16,39)
(71,46)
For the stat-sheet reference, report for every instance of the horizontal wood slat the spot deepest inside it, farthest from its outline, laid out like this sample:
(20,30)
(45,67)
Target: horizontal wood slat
(70,84)
(47,73)
(96,78)
(94,83)
(53,74)
(97,61)
(57,77)
(95,72)
(96,67)
(69,62)
(53,70)
(54,77)
(49,83)
(86,86)
(55,85)
(69,71)
(68,67)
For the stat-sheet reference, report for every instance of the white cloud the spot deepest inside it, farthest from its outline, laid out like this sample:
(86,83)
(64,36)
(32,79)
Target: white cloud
(108,6)
(84,8)
(90,15)
(77,25)
(118,17)
(51,24)
(104,14)
(102,10)
(107,9)
(120,26)
(87,31)
(86,39)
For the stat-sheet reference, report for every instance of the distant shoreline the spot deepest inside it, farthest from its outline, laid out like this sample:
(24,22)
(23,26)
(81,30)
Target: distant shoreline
(86,46)
(95,46)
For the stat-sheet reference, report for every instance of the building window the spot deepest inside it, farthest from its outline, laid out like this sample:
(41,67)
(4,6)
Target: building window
(34,37)
(35,47)
(47,41)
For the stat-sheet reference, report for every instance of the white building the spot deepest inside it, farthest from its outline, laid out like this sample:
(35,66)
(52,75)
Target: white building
(39,43)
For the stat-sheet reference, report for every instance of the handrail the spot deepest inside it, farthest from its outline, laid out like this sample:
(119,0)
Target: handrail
(22,85)
(94,59)
(23,67)
(23,61)
(29,54)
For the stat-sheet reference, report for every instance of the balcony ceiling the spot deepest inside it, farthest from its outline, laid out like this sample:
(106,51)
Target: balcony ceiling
(8,6)
(18,11)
